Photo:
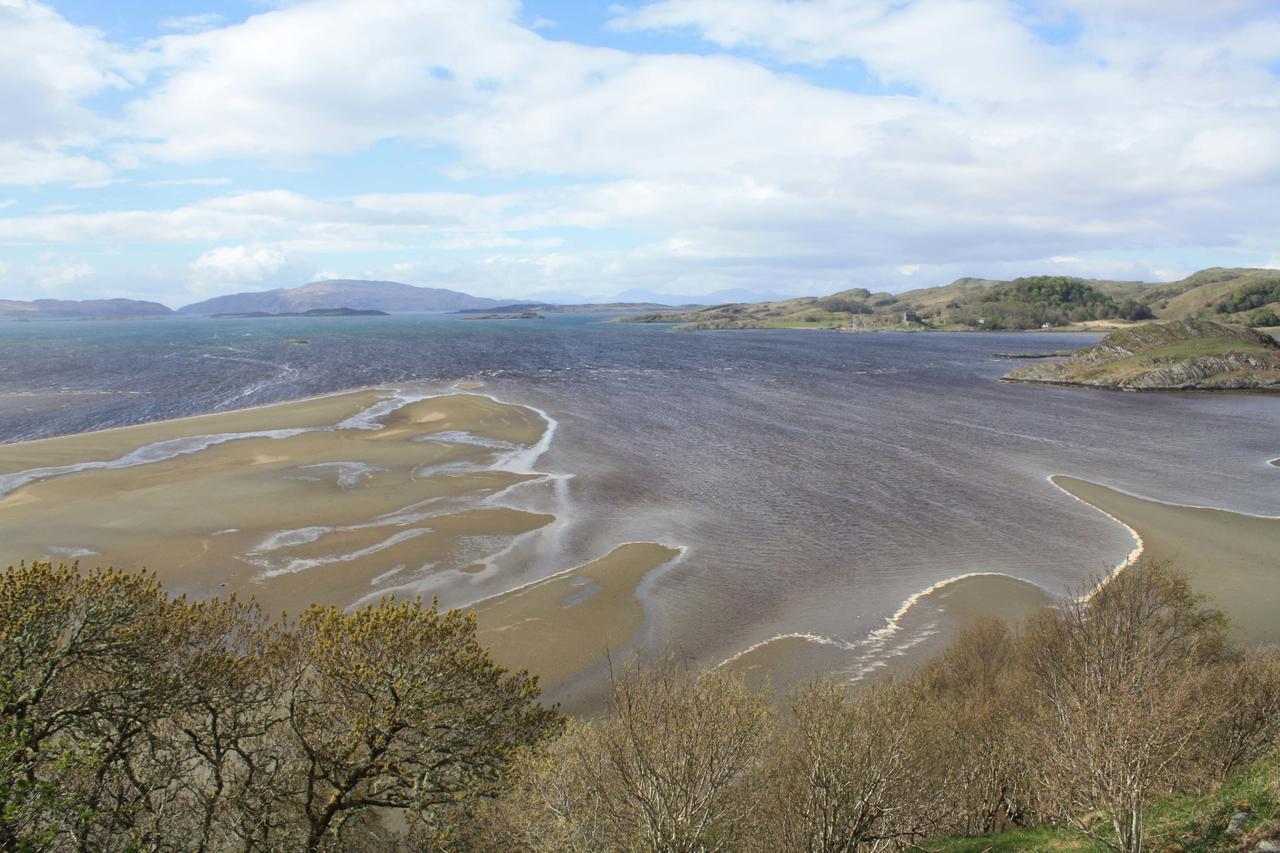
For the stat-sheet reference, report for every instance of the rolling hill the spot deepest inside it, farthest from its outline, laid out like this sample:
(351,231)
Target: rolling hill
(1244,296)
(389,296)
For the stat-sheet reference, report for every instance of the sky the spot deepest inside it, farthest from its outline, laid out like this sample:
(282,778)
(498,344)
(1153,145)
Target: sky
(566,150)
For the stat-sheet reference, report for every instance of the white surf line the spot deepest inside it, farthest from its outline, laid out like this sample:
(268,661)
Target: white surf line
(1132,557)
(1139,546)
(816,639)
(875,640)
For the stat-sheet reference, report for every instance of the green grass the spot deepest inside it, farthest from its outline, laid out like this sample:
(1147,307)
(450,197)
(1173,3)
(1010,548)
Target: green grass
(1203,347)
(1017,841)
(1199,823)
(1192,823)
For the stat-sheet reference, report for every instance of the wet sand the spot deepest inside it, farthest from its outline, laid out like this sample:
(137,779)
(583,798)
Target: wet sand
(1231,558)
(113,443)
(349,496)
(338,500)
(345,498)
(566,627)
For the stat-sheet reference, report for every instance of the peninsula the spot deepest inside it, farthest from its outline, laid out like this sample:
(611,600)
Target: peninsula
(1182,355)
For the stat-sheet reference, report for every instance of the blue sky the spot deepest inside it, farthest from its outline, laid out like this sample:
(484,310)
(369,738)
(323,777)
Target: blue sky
(571,150)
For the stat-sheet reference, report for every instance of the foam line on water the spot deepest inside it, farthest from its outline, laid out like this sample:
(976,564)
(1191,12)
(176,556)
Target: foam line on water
(875,641)
(1130,559)
(681,549)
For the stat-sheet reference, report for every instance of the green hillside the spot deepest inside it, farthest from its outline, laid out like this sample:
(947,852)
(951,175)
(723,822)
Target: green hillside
(1249,297)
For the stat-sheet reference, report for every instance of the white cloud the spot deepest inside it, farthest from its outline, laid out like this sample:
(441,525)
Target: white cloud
(228,268)
(193,23)
(1157,126)
(48,68)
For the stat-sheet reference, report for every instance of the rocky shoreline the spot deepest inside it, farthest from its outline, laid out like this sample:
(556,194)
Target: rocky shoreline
(1186,355)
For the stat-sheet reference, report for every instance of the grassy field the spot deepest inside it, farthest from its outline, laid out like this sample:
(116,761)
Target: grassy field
(1189,823)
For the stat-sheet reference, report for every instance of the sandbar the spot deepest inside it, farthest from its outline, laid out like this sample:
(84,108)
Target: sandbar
(567,625)
(1231,558)
(105,444)
(328,500)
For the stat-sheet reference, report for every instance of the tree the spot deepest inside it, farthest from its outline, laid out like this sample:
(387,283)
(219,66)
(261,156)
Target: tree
(399,707)
(974,696)
(1120,670)
(133,720)
(675,766)
(85,674)
(847,774)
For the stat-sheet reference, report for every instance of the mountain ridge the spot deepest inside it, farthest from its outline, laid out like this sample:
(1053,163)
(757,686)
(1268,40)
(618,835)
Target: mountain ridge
(80,309)
(389,296)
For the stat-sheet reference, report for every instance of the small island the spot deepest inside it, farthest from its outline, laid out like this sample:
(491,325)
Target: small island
(1184,355)
(314,312)
(523,315)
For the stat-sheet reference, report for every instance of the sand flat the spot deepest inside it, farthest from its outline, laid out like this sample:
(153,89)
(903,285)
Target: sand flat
(328,514)
(568,623)
(107,444)
(1231,558)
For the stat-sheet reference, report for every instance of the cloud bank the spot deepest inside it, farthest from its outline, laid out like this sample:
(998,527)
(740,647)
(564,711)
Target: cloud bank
(780,147)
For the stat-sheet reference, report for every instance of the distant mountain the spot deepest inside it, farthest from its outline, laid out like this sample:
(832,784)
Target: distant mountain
(389,296)
(79,309)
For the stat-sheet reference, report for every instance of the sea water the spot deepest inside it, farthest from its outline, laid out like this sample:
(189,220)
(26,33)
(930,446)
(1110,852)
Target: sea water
(816,479)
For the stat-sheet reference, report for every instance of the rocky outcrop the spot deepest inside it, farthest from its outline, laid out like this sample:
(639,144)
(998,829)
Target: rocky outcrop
(1183,355)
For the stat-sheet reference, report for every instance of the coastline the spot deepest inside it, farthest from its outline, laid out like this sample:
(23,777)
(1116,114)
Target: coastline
(341,499)
(1229,557)
(348,496)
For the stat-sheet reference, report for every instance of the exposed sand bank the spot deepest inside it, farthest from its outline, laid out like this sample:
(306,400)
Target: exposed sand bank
(326,500)
(568,624)
(113,443)
(341,499)
(338,500)
(1231,558)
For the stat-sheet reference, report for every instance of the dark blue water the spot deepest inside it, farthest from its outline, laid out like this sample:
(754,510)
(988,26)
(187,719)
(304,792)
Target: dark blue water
(818,479)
